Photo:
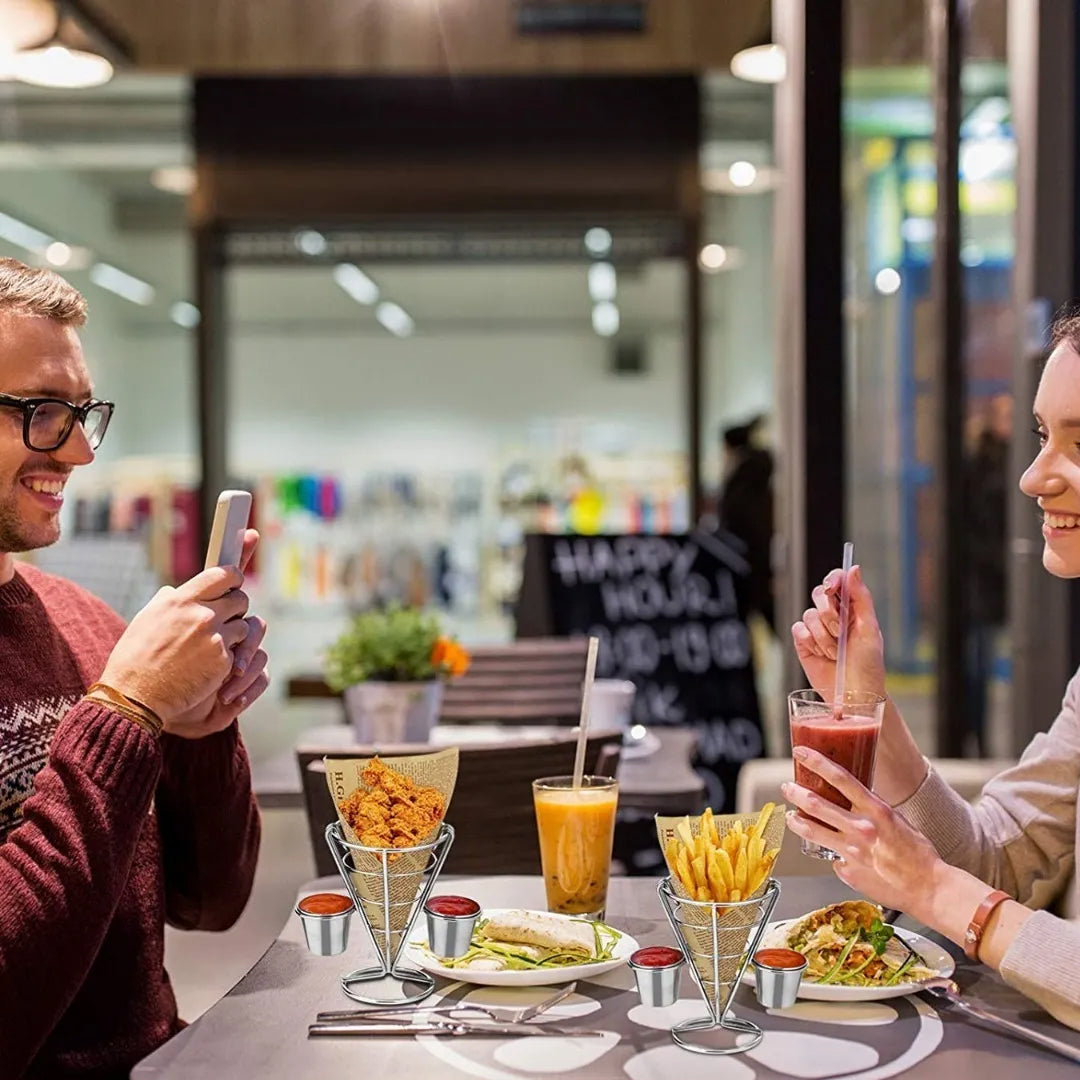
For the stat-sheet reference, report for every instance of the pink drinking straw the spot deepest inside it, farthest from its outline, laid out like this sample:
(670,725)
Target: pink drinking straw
(841,642)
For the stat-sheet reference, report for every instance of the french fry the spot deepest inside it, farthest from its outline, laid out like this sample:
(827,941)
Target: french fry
(735,896)
(671,853)
(740,870)
(700,878)
(716,878)
(763,819)
(727,870)
(756,853)
(704,894)
(685,874)
(708,827)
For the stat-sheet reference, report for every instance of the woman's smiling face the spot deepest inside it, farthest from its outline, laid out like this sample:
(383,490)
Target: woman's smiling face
(1053,478)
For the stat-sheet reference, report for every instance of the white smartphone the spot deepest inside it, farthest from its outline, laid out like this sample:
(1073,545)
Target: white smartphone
(227,534)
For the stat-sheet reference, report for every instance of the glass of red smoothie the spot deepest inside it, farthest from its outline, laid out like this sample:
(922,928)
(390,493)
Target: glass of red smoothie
(846,733)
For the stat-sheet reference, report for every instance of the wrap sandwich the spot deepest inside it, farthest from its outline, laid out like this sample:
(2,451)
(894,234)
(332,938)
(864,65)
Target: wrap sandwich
(850,944)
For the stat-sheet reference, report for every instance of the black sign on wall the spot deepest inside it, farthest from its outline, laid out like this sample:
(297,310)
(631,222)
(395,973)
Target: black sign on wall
(670,613)
(580,16)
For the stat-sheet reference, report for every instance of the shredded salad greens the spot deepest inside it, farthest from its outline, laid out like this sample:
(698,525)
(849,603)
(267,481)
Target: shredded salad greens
(516,956)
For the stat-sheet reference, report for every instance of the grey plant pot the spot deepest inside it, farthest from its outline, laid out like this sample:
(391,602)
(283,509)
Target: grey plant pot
(388,712)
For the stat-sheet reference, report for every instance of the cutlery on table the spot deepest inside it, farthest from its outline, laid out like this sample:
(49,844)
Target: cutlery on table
(946,990)
(498,1013)
(446,1027)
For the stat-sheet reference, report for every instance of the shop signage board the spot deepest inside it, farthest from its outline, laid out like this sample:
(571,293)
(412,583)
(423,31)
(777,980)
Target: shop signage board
(670,613)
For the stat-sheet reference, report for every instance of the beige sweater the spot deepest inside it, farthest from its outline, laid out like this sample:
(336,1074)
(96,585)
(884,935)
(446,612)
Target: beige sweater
(1021,835)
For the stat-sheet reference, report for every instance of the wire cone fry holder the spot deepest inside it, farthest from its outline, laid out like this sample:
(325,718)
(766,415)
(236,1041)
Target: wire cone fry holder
(389,886)
(718,939)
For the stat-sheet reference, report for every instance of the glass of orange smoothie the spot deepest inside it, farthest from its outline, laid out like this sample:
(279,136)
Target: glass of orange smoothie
(576,830)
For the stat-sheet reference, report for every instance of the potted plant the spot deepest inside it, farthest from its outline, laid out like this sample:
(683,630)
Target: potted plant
(391,666)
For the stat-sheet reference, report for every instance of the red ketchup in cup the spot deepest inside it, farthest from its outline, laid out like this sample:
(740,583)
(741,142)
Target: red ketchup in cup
(452,907)
(325,903)
(656,956)
(779,958)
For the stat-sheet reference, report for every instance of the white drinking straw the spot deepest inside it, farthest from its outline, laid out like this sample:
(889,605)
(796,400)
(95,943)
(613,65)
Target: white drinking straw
(586,694)
(842,639)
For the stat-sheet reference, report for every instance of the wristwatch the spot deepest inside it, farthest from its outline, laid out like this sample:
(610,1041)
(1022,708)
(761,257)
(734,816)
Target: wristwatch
(976,928)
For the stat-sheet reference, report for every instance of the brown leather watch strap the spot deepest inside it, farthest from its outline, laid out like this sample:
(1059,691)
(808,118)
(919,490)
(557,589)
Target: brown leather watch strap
(976,928)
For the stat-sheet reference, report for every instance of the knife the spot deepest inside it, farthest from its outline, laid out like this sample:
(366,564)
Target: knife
(339,1028)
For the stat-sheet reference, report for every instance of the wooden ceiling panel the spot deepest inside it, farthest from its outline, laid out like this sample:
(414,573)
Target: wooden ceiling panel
(409,37)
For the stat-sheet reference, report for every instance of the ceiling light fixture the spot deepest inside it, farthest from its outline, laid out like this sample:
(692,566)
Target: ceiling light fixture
(22,235)
(310,242)
(742,174)
(765,63)
(81,51)
(605,318)
(58,253)
(395,318)
(598,242)
(603,283)
(185,314)
(117,281)
(712,258)
(356,283)
(175,179)
(887,281)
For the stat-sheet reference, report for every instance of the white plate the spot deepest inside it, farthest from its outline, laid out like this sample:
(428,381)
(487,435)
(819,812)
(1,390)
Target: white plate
(934,956)
(625,947)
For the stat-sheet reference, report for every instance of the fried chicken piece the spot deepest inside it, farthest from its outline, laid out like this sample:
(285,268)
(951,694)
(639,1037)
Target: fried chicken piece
(395,811)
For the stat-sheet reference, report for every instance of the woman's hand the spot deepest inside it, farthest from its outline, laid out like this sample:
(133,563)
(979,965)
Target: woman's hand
(815,638)
(883,857)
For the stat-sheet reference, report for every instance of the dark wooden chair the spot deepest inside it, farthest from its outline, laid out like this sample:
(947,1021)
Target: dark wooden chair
(492,808)
(538,681)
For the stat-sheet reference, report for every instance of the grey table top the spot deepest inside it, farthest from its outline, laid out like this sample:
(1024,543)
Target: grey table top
(260,1027)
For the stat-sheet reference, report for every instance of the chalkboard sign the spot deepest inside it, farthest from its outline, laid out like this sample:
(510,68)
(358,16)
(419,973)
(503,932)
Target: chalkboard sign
(670,613)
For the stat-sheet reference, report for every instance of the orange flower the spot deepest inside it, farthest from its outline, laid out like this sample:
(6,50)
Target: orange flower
(449,657)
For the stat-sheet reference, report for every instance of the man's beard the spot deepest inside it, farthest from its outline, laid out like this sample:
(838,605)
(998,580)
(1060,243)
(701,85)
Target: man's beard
(16,536)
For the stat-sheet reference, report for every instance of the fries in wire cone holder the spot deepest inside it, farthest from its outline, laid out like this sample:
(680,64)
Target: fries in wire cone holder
(384,805)
(718,863)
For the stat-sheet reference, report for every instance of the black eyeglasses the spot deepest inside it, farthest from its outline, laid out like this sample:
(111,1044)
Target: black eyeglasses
(47,422)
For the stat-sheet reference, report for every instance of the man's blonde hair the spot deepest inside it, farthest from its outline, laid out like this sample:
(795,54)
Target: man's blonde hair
(29,290)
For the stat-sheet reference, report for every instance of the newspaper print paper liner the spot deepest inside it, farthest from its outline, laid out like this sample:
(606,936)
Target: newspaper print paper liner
(735,925)
(406,872)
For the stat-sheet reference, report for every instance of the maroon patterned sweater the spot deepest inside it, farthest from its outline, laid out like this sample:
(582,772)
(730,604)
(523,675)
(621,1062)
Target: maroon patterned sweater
(105,833)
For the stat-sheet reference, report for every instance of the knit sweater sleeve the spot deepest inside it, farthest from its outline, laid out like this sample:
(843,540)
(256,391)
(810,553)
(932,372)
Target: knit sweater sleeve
(210,829)
(63,869)
(1020,836)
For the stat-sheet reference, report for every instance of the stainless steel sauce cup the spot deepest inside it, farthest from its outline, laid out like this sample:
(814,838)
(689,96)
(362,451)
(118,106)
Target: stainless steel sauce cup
(777,987)
(657,984)
(326,935)
(449,936)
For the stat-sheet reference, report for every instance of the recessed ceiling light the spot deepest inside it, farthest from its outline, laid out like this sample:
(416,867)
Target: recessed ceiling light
(605,318)
(603,283)
(185,314)
(58,253)
(598,241)
(713,257)
(310,242)
(760,63)
(356,283)
(175,179)
(395,318)
(887,281)
(123,284)
(742,174)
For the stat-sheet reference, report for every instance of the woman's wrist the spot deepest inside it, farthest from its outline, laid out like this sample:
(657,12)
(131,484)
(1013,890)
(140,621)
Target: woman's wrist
(901,767)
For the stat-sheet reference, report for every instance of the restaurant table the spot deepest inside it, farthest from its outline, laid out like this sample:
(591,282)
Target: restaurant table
(655,776)
(260,1028)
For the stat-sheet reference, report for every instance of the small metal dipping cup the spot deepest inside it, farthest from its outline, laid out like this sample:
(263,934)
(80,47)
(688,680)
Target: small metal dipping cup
(449,936)
(777,987)
(658,985)
(326,935)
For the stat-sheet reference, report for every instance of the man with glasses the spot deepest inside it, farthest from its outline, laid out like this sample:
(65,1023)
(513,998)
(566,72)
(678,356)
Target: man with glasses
(125,793)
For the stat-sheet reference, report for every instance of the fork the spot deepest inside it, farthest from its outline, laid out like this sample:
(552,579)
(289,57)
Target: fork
(947,990)
(505,1015)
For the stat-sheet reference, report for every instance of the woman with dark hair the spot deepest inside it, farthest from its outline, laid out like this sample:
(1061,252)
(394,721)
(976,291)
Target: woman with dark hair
(978,874)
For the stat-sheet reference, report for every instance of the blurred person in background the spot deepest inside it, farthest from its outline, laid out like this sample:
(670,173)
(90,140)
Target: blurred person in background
(986,532)
(746,509)
(913,843)
(125,792)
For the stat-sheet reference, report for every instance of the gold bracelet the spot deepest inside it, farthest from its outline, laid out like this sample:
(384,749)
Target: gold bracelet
(127,706)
